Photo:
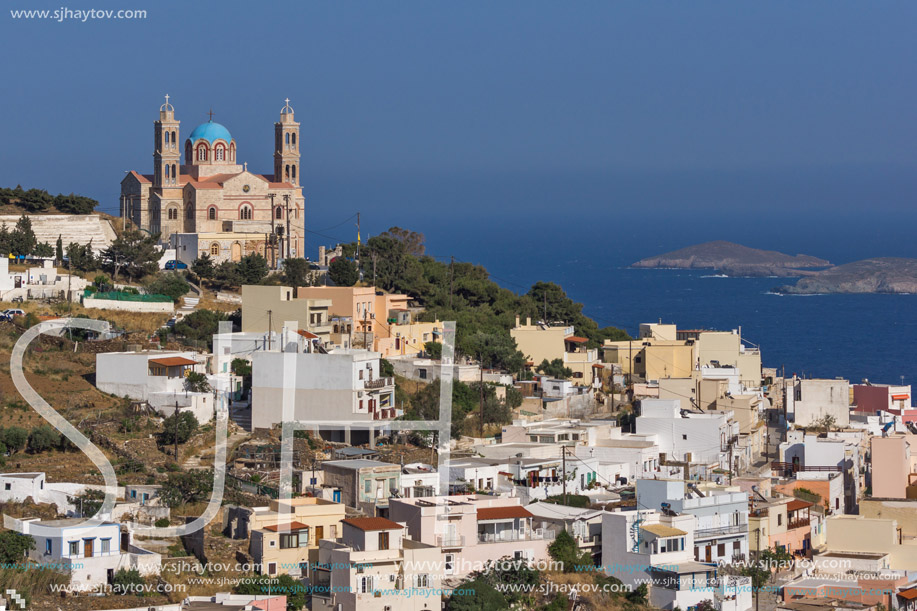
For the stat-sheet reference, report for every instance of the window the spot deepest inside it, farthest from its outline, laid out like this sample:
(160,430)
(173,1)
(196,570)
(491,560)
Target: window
(449,563)
(721,550)
(245,213)
(202,153)
(383,540)
(215,249)
(74,548)
(189,211)
(278,212)
(212,213)
(47,546)
(361,374)
(294,172)
(7,486)
(685,437)
(272,568)
(106,546)
(304,538)
(421,581)
(779,519)
(287,139)
(219,153)
(294,140)
(289,540)
(367,485)
(422,374)
(287,172)
(365,584)
(173,214)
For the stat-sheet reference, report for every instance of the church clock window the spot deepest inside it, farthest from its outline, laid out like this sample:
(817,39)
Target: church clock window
(245,213)
(212,213)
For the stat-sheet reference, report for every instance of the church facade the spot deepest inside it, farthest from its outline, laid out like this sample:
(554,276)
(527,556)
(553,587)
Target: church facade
(200,200)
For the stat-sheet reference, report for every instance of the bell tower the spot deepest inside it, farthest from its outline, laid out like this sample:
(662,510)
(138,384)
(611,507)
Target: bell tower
(286,147)
(166,148)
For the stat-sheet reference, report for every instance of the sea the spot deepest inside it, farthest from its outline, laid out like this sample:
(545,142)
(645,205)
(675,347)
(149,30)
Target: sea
(587,243)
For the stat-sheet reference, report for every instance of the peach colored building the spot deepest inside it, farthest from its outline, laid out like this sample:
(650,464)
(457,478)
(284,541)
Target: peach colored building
(473,530)
(891,461)
(368,309)
(781,523)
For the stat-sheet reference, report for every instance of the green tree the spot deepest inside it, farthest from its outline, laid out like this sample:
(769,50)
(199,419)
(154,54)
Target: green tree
(343,272)
(187,487)
(434,350)
(197,382)
(134,252)
(43,250)
(280,584)
(493,351)
(555,369)
(75,204)
(203,267)
(638,595)
(412,241)
(88,502)
(200,325)
(14,547)
(566,551)
(81,257)
(170,284)
(296,272)
(43,438)
(128,581)
(59,250)
(184,428)
(14,438)
(22,238)
(476,595)
(252,268)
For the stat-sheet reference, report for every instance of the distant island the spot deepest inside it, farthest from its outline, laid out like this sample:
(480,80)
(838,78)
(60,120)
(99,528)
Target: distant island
(735,260)
(880,275)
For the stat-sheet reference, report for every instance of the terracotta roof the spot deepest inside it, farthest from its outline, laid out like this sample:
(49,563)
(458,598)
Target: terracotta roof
(797,504)
(597,366)
(661,530)
(504,513)
(205,185)
(139,177)
(291,526)
(307,334)
(576,339)
(173,361)
(281,185)
(220,178)
(370,524)
(909,594)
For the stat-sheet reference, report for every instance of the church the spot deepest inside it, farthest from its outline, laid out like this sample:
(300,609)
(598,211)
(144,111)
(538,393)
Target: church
(200,200)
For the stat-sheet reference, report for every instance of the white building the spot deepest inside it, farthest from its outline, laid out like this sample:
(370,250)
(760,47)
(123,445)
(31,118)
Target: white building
(647,545)
(90,555)
(700,437)
(809,400)
(721,526)
(138,374)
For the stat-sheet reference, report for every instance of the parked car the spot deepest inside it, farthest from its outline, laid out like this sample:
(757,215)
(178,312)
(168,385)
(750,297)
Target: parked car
(176,264)
(14,312)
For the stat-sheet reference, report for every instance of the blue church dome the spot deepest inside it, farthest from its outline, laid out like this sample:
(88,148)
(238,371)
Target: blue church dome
(210,132)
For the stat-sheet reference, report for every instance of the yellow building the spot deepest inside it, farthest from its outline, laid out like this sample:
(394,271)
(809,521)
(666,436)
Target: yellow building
(408,339)
(542,342)
(285,536)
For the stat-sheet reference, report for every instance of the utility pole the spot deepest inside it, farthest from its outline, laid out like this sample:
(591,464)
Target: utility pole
(270,328)
(481,366)
(563,470)
(374,268)
(286,201)
(175,432)
(451,280)
(273,248)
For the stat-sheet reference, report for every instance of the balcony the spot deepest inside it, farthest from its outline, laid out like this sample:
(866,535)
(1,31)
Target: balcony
(720,531)
(798,523)
(450,541)
(515,535)
(378,383)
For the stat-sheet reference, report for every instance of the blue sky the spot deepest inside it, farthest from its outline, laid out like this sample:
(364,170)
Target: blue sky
(415,112)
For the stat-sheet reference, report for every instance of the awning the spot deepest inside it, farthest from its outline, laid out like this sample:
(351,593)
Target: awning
(503,513)
(173,361)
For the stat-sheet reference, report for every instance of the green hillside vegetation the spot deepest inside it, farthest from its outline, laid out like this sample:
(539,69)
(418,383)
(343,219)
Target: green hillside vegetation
(39,200)
(397,260)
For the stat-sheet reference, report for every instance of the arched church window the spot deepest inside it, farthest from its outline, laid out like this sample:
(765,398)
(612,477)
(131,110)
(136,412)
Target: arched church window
(168,138)
(219,153)
(173,214)
(287,173)
(294,140)
(294,171)
(174,139)
(174,174)
(245,213)
(168,173)
(215,249)
(278,213)
(212,213)
(188,153)
(189,212)
(287,140)
(202,152)
(232,152)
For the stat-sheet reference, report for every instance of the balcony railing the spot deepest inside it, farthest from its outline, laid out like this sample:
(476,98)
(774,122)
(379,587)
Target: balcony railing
(721,531)
(798,523)
(378,383)
(514,535)
(450,541)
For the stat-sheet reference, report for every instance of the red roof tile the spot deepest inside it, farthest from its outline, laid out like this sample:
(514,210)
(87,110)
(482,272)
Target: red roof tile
(503,513)
(797,504)
(576,340)
(369,524)
(173,361)
(291,526)
(910,594)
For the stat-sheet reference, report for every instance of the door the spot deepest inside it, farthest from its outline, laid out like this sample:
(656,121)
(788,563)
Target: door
(319,533)
(87,548)
(336,496)
(708,554)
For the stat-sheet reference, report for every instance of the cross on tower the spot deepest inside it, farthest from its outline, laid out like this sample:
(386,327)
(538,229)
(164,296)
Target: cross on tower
(211,114)
(286,100)
(167,99)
